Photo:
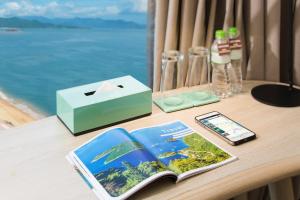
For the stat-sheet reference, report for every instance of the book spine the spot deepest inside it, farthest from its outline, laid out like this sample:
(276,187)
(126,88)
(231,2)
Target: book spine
(84,178)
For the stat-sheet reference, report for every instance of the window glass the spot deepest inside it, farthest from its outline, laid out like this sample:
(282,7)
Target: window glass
(49,45)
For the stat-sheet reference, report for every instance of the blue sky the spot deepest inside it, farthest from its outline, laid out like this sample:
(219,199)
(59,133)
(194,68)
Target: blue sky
(133,10)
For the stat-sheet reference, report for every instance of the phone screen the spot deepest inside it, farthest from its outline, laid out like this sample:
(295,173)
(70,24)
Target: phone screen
(226,127)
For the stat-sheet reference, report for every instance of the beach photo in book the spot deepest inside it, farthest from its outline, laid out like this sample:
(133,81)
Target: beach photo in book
(117,163)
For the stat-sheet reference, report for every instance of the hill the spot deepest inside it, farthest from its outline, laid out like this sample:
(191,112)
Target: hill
(87,22)
(26,23)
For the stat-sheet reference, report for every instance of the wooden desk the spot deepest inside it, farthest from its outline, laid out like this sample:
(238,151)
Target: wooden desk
(33,164)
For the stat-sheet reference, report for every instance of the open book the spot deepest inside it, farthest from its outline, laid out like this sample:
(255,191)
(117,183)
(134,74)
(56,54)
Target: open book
(117,163)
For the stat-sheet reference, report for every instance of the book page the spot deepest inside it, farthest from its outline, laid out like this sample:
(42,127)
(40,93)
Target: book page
(117,162)
(181,149)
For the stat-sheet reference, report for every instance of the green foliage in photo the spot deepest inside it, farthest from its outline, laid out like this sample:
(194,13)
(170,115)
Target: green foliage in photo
(200,153)
(117,181)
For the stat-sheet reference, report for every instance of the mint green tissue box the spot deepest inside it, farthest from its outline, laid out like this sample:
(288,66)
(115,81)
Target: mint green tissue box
(83,109)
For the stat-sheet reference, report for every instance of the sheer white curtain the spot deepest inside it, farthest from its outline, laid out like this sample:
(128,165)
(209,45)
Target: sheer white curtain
(181,24)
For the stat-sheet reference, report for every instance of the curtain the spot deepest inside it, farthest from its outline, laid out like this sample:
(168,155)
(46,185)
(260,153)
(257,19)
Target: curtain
(297,44)
(181,24)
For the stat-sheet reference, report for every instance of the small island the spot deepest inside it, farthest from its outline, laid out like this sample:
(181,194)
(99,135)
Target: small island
(9,29)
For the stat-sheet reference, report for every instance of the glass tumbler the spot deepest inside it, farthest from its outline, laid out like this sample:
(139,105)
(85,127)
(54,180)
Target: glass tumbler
(200,72)
(171,65)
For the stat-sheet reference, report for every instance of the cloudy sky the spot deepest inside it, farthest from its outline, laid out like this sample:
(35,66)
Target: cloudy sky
(134,10)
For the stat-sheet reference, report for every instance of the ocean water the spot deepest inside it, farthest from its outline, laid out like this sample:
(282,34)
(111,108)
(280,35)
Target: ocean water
(34,63)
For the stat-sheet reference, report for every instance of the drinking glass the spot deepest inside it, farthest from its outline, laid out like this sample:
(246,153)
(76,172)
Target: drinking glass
(171,65)
(199,64)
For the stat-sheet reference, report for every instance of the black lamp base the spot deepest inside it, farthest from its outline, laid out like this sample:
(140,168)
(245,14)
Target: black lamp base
(277,95)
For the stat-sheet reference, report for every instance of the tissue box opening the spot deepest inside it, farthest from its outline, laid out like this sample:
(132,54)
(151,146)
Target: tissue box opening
(89,93)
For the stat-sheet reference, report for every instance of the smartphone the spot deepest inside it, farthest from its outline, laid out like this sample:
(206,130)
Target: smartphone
(231,131)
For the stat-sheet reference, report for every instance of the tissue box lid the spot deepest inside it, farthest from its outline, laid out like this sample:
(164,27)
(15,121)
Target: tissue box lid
(126,85)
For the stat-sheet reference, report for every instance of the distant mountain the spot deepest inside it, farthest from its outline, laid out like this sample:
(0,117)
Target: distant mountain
(87,22)
(26,23)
